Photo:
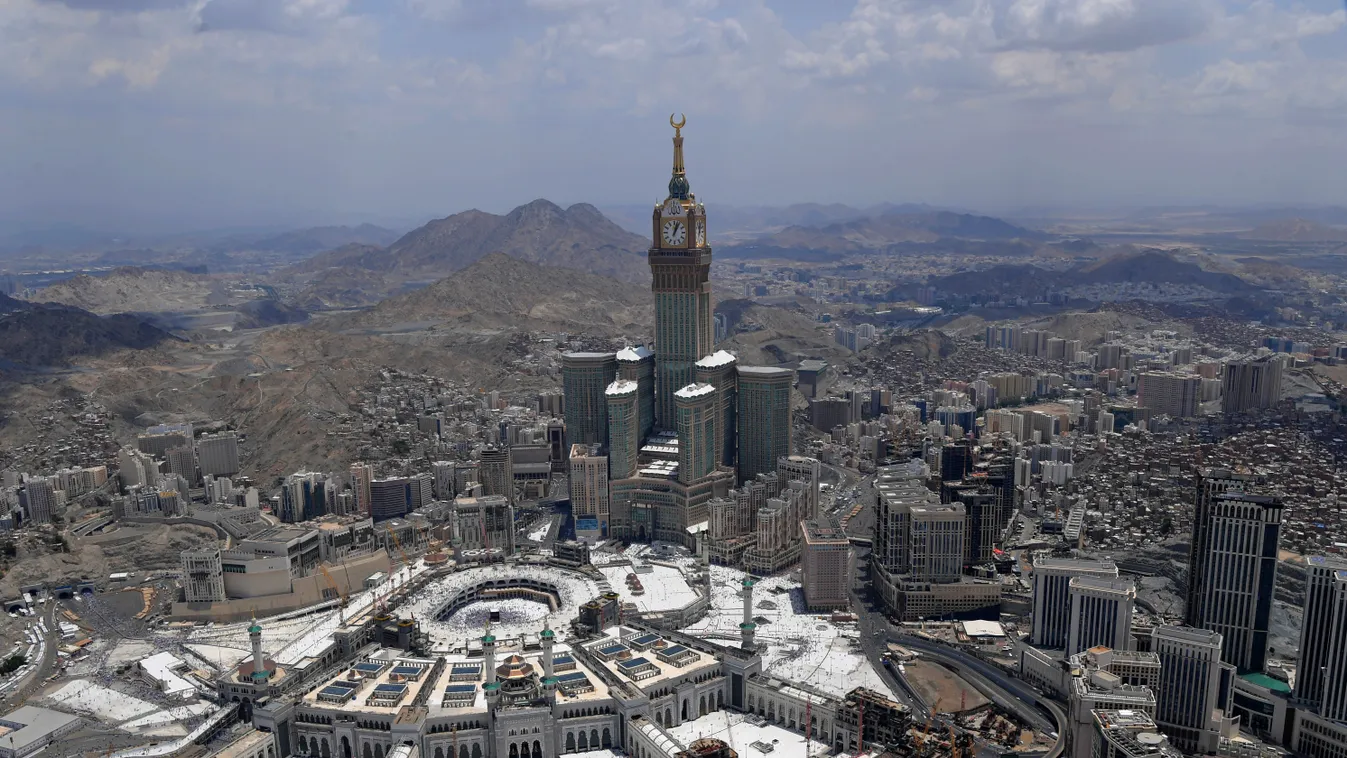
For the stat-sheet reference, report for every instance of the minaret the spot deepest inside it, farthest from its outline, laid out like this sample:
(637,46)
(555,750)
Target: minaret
(259,658)
(489,654)
(747,628)
(549,638)
(680,267)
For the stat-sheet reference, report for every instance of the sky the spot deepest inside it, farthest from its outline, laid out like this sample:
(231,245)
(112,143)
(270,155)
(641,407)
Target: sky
(182,114)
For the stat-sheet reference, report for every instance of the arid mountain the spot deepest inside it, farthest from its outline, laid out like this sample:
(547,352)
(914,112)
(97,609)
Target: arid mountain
(502,292)
(39,335)
(578,237)
(1156,267)
(879,233)
(1134,266)
(129,289)
(1295,230)
(319,238)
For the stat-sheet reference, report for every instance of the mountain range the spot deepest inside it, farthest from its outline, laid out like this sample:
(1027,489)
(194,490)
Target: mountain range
(500,292)
(1295,230)
(879,233)
(578,237)
(1139,266)
(40,335)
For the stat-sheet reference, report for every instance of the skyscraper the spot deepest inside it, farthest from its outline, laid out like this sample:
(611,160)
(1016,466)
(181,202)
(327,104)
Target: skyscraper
(361,476)
(680,262)
(696,407)
(218,454)
(1195,687)
(637,364)
(585,376)
(824,564)
(935,542)
(1251,384)
(802,468)
(624,428)
(1321,628)
(1210,483)
(1052,596)
(589,484)
(1177,395)
(1238,573)
(763,419)
(719,371)
(38,501)
(496,472)
(1101,613)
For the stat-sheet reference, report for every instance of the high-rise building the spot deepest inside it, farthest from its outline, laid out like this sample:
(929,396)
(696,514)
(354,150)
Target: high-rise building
(680,264)
(1128,733)
(624,428)
(697,411)
(589,484)
(303,497)
(443,477)
(1210,483)
(202,576)
(1237,574)
(218,454)
(763,419)
(1195,687)
(720,371)
(802,468)
(390,498)
(824,564)
(158,439)
(38,500)
(136,468)
(585,376)
(1052,596)
(956,460)
(496,471)
(981,530)
(485,522)
(1321,629)
(1333,704)
(1251,384)
(182,461)
(637,364)
(1101,613)
(361,476)
(1177,395)
(935,542)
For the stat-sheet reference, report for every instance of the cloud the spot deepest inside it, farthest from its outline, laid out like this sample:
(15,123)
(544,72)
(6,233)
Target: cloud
(1102,26)
(443,104)
(278,16)
(119,6)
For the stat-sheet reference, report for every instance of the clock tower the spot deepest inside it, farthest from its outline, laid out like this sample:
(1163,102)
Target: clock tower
(680,262)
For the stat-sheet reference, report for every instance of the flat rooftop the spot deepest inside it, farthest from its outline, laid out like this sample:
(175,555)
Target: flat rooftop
(31,725)
(741,735)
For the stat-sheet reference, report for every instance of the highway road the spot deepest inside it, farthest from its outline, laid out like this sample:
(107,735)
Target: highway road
(876,632)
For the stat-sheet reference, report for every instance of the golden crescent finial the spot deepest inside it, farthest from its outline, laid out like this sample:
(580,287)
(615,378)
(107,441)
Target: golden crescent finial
(682,123)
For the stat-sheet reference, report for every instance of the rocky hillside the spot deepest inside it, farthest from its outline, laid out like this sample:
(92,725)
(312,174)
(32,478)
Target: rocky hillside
(500,292)
(879,233)
(129,289)
(34,335)
(1295,230)
(578,237)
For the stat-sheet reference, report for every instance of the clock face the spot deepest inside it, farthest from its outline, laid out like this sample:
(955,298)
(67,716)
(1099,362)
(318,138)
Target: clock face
(701,232)
(675,233)
(672,208)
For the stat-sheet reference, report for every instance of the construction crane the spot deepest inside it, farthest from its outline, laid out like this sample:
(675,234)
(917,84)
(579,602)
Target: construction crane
(954,751)
(398,544)
(336,590)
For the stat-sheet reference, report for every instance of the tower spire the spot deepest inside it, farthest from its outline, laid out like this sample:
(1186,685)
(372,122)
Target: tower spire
(678,185)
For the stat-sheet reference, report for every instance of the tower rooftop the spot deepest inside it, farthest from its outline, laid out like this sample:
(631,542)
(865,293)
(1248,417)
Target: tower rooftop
(637,353)
(716,359)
